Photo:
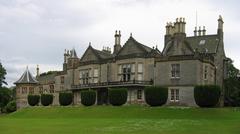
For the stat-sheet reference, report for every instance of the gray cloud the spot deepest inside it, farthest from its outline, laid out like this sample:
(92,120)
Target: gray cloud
(37,32)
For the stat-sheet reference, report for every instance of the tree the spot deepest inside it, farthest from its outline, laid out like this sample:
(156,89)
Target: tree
(2,75)
(232,86)
(5,97)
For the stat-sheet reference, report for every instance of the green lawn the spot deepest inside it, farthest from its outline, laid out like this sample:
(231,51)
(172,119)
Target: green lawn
(121,120)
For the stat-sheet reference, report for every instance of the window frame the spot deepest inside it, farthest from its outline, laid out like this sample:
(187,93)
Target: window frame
(175,71)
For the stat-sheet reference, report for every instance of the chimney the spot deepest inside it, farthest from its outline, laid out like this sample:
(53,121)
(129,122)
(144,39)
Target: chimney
(168,29)
(37,71)
(195,31)
(176,26)
(117,45)
(107,50)
(220,26)
(204,31)
(199,31)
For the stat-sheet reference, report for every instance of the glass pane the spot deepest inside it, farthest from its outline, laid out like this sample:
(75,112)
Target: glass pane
(140,68)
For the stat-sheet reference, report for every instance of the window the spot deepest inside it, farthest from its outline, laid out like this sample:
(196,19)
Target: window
(40,90)
(140,67)
(175,72)
(31,90)
(133,68)
(202,42)
(205,72)
(140,77)
(51,88)
(174,95)
(62,79)
(126,72)
(139,94)
(95,73)
(85,76)
(120,69)
(24,90)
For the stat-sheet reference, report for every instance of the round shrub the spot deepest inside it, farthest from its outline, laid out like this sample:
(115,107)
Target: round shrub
(46,99)
(117,96)
(65,98)
(156,96)
(88,98)
(33,100)
(11,106)
(207,95)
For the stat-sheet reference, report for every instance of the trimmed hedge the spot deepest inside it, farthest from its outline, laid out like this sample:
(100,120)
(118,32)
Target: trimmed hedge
(156,96)
(88,98)
(65,98)
(117,96)
(46,99)
(11,107)
(207,95)
(33,100)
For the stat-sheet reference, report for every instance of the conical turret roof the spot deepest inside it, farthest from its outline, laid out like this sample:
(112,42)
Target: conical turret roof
(26,78)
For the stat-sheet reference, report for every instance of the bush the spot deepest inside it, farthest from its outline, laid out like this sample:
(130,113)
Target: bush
(46,99)
(11,106)
(207,95)
(88,98)
(117,96)
(156,96)
(65,98)
(33,100)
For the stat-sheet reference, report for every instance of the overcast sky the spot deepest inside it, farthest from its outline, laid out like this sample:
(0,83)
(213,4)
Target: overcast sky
(37,31)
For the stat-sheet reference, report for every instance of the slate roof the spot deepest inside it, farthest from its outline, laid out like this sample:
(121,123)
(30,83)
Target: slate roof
(204,44)
(73,54)
(47,78)
(102,54)
(131,41)
(26,78)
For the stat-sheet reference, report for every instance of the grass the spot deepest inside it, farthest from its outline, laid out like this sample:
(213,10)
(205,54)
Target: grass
(121,120)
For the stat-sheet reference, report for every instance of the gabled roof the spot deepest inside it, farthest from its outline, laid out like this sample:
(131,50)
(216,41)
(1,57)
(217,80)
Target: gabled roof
(204,44)
(47,78)
(26,78)
(132,42)
(102,54)
(99,54)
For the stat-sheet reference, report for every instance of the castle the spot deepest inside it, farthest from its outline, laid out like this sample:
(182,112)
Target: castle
(184,62)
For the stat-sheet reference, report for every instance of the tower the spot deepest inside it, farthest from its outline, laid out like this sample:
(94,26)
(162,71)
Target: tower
(25,85)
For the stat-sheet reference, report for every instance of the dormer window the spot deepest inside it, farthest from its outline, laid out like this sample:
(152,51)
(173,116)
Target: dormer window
(202,42)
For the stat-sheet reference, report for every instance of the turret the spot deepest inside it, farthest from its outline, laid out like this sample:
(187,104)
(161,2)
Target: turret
(66,56)
(117,45)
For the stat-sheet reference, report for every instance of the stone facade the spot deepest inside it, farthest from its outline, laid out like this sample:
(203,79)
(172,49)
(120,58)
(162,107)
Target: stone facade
(183,63)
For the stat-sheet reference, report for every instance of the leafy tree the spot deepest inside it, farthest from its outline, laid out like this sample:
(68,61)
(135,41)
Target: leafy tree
(5,97)
(232,86)
(2,75)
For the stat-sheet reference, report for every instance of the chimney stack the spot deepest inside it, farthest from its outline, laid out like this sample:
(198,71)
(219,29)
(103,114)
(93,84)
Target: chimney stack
(37,71)
(203,31)
(117,45)
(195,31)
(199,31)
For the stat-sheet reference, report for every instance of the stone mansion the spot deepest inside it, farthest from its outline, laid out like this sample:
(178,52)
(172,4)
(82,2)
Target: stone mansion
(184,62)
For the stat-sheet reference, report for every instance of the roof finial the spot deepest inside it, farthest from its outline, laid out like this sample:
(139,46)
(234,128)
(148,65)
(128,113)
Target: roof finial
(130,34)
(89,43)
